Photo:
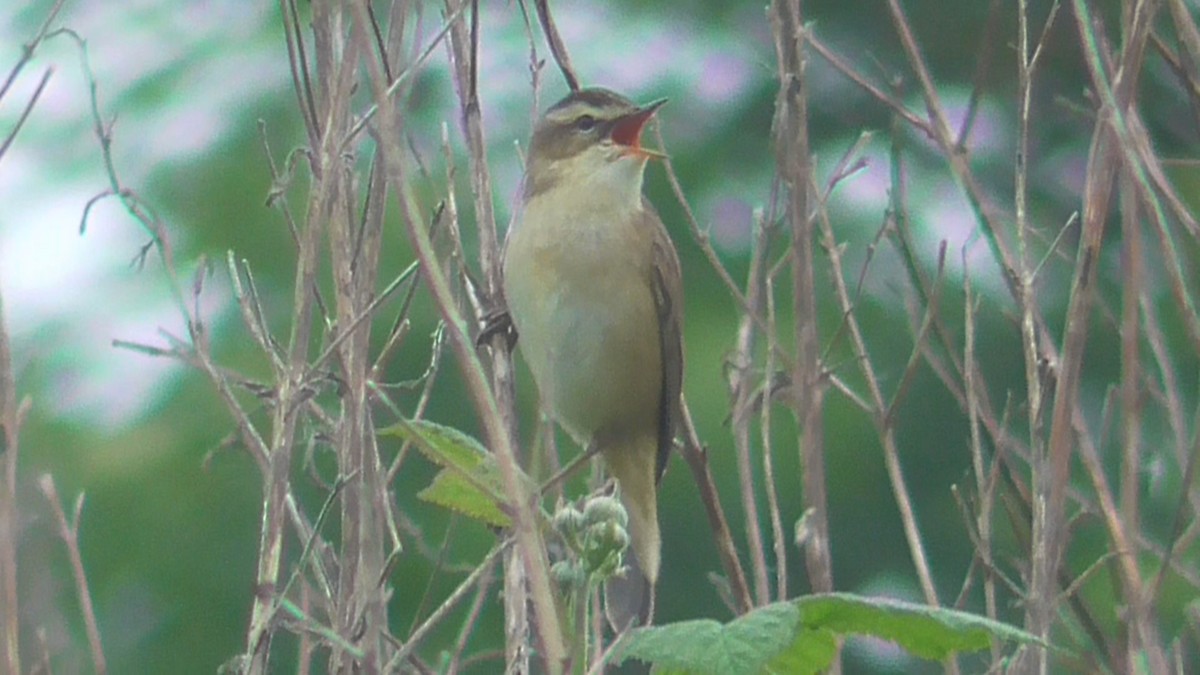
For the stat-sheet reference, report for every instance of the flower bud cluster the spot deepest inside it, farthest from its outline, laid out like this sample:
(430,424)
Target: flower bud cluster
(597,538)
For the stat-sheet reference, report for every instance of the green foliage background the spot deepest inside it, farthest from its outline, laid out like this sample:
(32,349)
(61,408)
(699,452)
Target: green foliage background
(169,528)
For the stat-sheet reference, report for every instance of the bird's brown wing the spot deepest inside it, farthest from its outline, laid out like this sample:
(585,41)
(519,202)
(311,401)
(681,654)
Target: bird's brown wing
(630,599)
(668,301)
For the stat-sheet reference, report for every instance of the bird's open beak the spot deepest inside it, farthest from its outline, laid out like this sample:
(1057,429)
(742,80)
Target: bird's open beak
(627,130)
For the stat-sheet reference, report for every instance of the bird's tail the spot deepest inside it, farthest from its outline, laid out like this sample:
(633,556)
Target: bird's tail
(630,599)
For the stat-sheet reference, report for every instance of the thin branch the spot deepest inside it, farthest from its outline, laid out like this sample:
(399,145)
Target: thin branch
(778,539)
(839,63)
(68,530)
(740,374)
(794,165)
(481,573)
(697,459)
(12,413)
(557,47)
(497,432)
(33,99)
(877,407)
(30,47)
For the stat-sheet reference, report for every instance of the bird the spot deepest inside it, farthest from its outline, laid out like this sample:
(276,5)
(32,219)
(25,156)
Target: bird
(594,290)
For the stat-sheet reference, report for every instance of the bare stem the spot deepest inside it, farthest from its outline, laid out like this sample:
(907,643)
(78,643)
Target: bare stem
(794,166)
(68,530)
(496,431)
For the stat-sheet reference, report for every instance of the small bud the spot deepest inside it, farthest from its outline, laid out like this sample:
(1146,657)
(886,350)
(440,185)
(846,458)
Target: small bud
(603,546)
(605,509)
(568,522)
(567,575)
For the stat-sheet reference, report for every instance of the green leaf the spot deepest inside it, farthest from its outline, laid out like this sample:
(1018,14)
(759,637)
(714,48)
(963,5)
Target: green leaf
(928,632)
(811,652)
(743,646)
(451,491)
(800,636)
(470,481)
(443,445)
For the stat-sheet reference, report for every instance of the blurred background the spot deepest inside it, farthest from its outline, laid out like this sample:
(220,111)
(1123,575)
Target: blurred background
(169,528)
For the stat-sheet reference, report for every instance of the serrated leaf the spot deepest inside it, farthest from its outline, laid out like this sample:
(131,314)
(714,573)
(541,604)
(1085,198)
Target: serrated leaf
(451,491)
(743,646)
(929,632)
(800,636)
(470,481)
(443,445)
(811,652)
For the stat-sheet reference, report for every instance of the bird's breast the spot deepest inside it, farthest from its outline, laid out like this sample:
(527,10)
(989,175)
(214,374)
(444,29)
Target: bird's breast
(578,289)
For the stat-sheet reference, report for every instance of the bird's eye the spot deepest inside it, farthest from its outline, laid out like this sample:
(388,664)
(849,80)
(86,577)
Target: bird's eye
(585,123)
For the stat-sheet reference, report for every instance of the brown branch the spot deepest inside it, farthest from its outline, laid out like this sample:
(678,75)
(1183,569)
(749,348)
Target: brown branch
(497,433)
(25,111)
(794,167)
(482,595)
(12,413)
(740,373)
(877,408)
(335,66)
(1131,394)
(68,530)
(1111,144)
(985,477)
(841,65)
(778,538)
(919,340)
(696,456)
(464,50)
(557,48)
(480,575)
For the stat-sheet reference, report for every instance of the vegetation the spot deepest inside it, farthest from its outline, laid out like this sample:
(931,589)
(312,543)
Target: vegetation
(941,336)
